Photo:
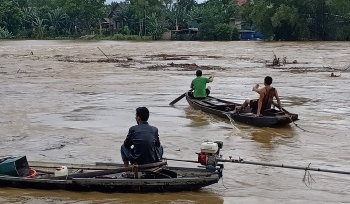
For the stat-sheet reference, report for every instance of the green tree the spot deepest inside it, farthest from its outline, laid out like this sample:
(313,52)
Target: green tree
(39,28)
(235,34)
(299,20)
(123,15)
(10,15)
(156,27)
(4,33)
(216,16)
(286,22)
(23,3)
(186,5)
(139,9)
(340,15)
(29,14)
(206,31)
(57,19)
(85,12)
(223,32)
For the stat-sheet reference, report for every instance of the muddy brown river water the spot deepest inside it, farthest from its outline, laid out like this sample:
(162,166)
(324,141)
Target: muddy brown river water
(64,103)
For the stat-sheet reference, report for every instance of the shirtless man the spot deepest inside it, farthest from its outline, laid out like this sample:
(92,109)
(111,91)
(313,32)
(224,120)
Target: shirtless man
(265,100)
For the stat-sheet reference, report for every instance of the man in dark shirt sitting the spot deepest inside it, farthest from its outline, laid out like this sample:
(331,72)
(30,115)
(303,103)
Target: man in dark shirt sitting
(145,141)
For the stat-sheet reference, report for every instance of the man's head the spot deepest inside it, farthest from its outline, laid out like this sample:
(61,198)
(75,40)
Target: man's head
(268,80)
(199,73)
(142,114)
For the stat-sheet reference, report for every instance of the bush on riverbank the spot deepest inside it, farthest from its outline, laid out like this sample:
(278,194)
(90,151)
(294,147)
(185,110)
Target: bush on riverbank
(123,37)
(61,38)
(4,33)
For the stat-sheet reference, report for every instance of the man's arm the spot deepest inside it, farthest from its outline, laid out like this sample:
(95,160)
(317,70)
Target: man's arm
(192,85)
(261,98)
(278,101)
(256,89)
(211,78)
(128,140)
(157,138)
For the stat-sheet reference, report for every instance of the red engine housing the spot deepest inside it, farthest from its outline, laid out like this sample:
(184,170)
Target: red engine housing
(202,158)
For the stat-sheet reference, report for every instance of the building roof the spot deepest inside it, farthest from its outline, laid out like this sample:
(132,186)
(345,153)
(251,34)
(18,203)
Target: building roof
(240,2)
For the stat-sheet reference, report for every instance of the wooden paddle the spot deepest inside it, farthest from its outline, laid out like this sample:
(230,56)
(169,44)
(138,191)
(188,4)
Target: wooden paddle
(178,98)
(284,110)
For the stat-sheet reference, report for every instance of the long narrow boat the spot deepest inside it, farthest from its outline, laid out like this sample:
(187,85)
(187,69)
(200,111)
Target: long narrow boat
(104,177)
(226,109)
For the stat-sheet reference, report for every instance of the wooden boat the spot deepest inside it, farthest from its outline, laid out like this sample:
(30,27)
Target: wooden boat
(107,177)
(226,109)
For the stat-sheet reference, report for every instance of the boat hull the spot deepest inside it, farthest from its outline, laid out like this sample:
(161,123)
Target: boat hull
(225,109)
(110,186)
(188,179)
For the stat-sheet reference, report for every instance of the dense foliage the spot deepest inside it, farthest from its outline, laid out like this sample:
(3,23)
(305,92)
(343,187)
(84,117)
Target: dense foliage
(275,19)
(300,19)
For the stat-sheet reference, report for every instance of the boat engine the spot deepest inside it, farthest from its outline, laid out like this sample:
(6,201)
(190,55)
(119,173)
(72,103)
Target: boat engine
(209,153)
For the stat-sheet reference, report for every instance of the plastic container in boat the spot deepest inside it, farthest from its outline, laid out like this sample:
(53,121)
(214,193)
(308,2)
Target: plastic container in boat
(209,147)
(61,171)
(32,173)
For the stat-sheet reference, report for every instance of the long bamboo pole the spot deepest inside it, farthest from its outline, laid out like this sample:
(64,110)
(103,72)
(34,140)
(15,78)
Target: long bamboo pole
(241,161)
(103,53)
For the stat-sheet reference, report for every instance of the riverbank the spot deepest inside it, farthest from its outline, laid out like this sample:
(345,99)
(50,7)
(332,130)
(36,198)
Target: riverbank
(115,37)
(57,107)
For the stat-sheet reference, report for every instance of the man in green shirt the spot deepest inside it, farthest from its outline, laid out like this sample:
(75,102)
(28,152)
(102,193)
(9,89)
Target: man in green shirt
(199,85)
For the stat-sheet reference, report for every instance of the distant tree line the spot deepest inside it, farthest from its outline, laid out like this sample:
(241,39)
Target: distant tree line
(275,19)
(299,19)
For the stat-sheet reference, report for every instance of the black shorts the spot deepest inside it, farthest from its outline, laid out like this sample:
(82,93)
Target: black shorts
(207,91)
(253,104)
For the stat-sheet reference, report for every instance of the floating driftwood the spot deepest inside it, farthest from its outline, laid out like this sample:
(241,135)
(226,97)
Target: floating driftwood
(103,53)
(179,57)
(313,69)
(184,67)
(276,61)
(95,60)
(334,75)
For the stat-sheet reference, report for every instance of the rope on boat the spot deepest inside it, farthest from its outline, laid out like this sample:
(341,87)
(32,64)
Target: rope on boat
(231,120)
(297,125)
(290,117)
(222,179)
(309,179)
